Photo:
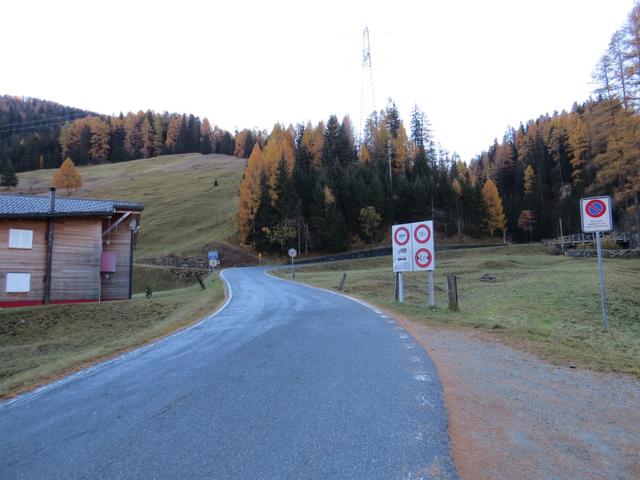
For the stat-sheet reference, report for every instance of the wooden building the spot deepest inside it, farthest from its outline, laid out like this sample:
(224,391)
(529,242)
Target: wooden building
(65,250)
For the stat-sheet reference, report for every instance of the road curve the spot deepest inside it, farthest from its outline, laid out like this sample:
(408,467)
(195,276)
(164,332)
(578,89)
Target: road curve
(286,381)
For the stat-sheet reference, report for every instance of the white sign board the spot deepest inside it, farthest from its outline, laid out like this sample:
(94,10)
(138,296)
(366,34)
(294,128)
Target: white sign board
(423,250)
(292,252)
(595,214)
(413,247)
(401,247)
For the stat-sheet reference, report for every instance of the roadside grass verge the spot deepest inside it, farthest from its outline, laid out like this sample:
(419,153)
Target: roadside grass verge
(38,344)
(158,278)
(548,305)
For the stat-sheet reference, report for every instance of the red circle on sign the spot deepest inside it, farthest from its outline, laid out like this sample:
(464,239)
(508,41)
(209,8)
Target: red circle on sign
(422,226)
(595,208)
(395,236)
(420,263)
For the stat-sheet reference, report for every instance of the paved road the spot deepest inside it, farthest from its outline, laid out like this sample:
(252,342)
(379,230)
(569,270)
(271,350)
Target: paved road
(285,382)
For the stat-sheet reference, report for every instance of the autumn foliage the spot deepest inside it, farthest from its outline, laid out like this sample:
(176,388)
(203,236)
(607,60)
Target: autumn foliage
(67,177)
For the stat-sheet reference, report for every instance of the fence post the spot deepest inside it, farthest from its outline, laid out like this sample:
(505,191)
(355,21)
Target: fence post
(344,277)
(452,287)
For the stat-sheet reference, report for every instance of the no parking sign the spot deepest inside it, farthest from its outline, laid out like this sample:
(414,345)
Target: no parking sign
(595,214)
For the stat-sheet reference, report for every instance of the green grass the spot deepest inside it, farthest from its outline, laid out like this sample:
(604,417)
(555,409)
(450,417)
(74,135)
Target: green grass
(41,343)
(549,305)
(183,210)
(158,278)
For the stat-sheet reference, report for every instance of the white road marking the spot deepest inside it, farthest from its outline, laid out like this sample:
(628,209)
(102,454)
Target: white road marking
(422,378)
(106,363)
(403,336)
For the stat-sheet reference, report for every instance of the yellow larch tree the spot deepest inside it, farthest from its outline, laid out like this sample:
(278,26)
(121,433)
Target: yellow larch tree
(497,220)
(67,176)
(249,193)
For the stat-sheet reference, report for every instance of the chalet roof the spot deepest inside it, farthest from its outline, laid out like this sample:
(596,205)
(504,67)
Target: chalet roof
(29,206)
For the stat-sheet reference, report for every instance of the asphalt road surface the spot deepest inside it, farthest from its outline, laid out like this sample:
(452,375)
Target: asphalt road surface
(285,382)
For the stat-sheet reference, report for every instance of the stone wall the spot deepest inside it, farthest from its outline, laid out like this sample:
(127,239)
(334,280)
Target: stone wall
(633,253)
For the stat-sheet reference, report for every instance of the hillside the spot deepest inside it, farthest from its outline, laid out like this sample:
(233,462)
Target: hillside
(183,210)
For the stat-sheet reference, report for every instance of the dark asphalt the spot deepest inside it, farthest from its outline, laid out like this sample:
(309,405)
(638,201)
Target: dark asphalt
(285,382)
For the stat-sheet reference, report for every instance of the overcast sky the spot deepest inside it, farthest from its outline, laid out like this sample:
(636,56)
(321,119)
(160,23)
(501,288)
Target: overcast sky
(474,67)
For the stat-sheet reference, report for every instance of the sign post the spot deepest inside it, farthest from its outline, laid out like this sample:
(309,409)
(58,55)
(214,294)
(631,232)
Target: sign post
(595,216)
(292,253)
(423,256)
(214,259)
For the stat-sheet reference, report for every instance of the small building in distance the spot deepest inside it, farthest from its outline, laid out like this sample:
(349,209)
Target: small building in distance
(65,250)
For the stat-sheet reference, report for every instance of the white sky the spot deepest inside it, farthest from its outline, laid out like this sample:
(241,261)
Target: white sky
(474,67)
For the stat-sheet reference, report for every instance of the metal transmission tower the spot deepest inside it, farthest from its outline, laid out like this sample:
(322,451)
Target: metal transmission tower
(367,96)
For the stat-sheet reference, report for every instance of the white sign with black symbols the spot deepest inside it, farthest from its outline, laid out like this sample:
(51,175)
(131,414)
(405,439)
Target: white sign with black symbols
(423,250)
(402,248)
(413,247)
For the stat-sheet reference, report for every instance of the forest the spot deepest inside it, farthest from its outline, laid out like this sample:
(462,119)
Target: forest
(323,188)
(41,134)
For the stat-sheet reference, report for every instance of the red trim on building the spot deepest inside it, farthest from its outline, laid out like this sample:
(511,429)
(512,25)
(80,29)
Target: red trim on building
(32,303)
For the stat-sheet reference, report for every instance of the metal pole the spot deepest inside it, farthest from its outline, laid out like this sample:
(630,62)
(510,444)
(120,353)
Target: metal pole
(603,297)
(432,300)
(400,287)
(293,272)
(561,235)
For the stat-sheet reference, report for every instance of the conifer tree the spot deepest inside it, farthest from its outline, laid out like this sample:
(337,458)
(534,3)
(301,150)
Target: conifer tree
(495,210)
(8,177)
(67,176)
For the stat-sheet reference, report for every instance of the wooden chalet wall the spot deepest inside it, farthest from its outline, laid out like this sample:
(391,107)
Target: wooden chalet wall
(31,261)
(115,286)
(76,259)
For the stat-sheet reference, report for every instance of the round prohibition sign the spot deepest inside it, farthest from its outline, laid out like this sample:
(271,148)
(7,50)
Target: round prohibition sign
(423,258)
(402,236)
(595,208)
(422,233)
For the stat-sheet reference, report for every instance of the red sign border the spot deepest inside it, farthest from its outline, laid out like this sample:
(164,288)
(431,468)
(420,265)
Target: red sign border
(415,231)
(415,257)
(591,202)
(395,239)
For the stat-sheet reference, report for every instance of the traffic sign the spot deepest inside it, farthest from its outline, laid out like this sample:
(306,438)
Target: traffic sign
(292,253)
(423,247)
(213,255)
(423,258)
(401,248)
(422,232)
(401,236)
(595,214)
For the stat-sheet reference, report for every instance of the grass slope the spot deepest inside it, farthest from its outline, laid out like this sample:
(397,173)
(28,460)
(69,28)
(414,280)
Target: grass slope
(41,343)
(546,304)
(183,210)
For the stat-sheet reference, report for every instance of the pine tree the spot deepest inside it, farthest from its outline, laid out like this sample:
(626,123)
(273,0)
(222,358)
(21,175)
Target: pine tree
(67,176)
(8,177)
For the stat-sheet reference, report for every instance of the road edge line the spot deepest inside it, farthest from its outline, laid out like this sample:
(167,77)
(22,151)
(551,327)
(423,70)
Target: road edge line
(37,391)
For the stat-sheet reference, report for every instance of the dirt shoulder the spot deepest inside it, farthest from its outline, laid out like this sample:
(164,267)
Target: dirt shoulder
(515,416)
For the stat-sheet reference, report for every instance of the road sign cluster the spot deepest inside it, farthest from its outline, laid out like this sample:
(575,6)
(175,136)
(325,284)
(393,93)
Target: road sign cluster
(413,249)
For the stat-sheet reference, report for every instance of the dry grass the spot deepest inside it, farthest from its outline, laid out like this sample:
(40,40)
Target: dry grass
(41,343)
(546,304)
(183,210)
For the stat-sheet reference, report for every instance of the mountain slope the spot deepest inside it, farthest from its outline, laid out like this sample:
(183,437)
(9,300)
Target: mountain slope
(183,210)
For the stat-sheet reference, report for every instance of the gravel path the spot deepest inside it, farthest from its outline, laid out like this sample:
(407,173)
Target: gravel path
(515,416)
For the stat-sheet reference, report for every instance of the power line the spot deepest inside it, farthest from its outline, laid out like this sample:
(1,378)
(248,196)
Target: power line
(6,125)
(19,129)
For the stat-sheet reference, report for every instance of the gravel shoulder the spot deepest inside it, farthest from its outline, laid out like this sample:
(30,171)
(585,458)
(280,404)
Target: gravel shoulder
(515,416)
